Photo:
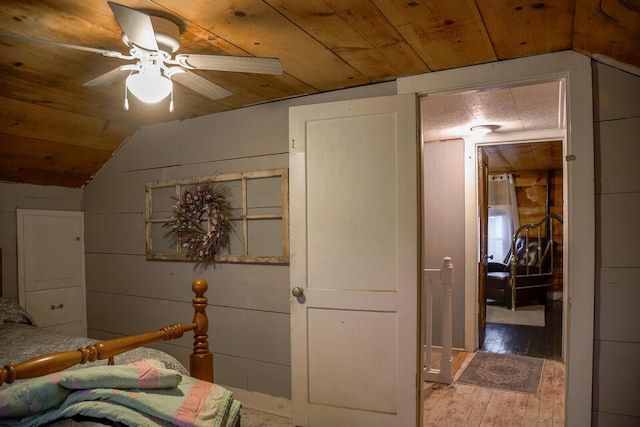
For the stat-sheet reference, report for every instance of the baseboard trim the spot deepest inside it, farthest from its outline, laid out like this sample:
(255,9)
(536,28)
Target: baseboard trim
(263,402)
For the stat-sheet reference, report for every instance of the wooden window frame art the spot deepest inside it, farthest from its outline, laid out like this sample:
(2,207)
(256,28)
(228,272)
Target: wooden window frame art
(243,177)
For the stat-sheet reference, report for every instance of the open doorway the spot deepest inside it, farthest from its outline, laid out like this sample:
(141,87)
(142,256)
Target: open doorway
(525,187)
(522,121)
(574,73)
(523,145)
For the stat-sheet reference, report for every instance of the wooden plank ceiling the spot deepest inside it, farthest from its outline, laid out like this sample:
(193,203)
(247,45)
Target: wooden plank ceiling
(54,130)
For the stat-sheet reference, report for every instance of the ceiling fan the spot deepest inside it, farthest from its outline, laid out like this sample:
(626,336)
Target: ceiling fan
(152,40)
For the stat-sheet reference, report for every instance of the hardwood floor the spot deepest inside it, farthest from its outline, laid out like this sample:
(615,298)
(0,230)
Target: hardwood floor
(255,418)
(466,405)
(463,405)
(534,341)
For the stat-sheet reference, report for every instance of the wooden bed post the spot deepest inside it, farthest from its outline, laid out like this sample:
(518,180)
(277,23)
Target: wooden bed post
(201,360)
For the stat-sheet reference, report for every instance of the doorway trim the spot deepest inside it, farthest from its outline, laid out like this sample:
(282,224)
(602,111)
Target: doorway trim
(579,203)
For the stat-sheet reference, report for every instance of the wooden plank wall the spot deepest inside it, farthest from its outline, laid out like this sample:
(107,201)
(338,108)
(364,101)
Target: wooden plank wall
(617,336)
(248,303)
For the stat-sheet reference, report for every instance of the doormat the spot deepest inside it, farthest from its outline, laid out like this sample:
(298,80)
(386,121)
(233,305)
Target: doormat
(502,371)
(528,315)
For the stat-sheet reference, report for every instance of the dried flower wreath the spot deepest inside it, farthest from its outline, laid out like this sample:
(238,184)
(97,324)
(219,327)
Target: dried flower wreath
(201,221)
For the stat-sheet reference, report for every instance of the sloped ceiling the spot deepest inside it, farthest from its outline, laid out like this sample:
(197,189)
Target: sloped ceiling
(54,130)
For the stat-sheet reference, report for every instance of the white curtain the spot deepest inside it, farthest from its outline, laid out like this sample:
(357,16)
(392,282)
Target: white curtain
(503,215)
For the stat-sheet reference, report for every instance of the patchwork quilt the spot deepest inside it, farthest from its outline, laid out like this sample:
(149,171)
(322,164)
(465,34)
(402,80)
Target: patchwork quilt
(144,393)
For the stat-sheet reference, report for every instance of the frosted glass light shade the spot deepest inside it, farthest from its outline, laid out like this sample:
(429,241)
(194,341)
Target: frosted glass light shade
(149,87)
(483,129)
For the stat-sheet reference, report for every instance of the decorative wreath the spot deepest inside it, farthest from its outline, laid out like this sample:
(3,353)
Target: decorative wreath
(201,221)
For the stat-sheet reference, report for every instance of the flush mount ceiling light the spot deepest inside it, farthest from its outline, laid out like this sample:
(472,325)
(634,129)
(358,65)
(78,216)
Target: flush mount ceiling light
(483,129)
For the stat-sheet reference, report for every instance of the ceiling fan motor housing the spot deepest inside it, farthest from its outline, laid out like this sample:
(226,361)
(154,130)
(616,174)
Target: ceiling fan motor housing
(167,35)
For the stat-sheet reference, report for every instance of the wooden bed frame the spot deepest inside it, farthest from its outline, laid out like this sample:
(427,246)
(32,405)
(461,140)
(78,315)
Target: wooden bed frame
(200,360)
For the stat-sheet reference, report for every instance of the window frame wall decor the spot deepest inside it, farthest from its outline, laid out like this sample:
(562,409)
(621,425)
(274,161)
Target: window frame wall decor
(243,216)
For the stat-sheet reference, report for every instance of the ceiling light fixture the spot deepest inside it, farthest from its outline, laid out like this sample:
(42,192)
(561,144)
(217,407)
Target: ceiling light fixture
(483,129)
(149,86)
(149,81)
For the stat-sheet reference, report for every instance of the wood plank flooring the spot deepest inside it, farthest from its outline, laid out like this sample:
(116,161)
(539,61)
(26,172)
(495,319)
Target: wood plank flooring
(463,405)
(534,341)
(467,405)
(254,418)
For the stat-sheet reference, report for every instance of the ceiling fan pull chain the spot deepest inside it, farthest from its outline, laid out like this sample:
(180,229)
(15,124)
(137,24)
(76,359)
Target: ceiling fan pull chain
(126,97)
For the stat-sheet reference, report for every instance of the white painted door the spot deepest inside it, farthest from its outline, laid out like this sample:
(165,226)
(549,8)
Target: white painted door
(51,276)
(354,258)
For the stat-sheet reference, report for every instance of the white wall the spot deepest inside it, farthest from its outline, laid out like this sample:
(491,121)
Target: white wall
(443,222)
(25,196)
(617,329)
(249,304)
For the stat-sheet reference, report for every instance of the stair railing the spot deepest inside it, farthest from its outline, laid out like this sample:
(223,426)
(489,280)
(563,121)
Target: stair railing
(444,374)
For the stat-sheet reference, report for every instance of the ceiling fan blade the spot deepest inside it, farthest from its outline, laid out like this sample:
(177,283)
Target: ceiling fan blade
(136,25)
(201,85)
(112,76)
(59,44)
(241,64)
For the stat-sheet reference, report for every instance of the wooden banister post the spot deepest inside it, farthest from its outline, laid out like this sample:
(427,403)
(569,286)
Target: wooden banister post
(446,365)
(201,360)
(445,274)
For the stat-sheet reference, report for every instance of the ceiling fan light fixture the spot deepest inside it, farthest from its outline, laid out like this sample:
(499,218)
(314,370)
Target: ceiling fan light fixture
(483,129)
(149,87)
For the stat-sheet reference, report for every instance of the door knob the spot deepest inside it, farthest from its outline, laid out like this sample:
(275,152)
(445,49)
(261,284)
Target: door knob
(488,256)
(297,292)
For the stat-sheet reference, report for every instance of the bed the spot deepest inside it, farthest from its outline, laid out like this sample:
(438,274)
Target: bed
(52,379)
(528,270)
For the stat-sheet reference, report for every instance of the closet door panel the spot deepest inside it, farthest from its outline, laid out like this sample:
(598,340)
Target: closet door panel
(52,249)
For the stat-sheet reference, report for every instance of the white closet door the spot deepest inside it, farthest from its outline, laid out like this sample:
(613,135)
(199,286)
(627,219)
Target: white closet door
(51,276)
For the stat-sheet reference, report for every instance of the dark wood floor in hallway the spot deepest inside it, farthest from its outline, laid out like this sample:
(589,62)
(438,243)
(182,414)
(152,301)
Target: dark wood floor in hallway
(534,341)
